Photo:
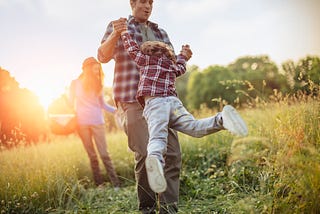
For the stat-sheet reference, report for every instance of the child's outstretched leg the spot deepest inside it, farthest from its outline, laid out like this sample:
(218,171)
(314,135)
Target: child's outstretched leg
(229,119)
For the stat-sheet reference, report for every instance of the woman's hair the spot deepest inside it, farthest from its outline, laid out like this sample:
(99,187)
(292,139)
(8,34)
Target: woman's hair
(92,81)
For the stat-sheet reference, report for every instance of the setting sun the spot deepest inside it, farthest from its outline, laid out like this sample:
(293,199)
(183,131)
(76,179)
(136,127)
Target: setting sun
(45,99)
(47,95)
(47,90)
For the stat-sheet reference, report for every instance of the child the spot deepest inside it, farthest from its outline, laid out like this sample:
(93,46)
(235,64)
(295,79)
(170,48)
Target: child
(159,68)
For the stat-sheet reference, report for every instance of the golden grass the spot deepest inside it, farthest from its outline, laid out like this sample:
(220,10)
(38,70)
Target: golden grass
(276,166)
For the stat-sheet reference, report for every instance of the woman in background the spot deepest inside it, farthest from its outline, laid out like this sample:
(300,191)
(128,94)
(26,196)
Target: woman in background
(86,96)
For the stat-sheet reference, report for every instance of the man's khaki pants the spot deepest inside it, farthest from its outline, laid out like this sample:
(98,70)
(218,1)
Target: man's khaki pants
(136,128)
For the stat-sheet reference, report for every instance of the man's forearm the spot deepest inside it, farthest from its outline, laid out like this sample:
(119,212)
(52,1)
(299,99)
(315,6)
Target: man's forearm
(105,51)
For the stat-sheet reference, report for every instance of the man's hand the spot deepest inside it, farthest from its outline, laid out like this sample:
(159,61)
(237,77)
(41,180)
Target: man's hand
(119,26)
(186,52)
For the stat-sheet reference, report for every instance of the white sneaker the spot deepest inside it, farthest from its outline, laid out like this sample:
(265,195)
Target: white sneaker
(233,122)
(156,179)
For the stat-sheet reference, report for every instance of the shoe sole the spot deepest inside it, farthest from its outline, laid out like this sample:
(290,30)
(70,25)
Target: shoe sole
(233,122)
(156,179)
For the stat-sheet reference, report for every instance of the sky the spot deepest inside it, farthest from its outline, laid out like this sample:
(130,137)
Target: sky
(43,42)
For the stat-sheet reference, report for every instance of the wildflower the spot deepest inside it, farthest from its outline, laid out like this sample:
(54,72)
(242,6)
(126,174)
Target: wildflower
(250,86)
(35,195)
(221,173)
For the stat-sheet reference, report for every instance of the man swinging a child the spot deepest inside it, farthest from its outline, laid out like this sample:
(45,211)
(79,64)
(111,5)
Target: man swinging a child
(156,93)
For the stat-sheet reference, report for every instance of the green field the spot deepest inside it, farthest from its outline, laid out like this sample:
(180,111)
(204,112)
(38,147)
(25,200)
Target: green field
(276,169)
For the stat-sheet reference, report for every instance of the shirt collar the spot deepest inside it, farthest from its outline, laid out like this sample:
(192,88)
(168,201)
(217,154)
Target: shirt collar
(131,20)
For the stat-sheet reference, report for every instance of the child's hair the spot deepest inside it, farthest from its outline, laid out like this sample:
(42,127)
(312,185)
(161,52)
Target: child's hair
(158,48)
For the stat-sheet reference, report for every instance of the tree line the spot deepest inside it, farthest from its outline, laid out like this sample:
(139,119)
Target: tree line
(246,82)
(22,118)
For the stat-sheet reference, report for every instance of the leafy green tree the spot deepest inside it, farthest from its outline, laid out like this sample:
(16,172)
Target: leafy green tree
(304,75)
(182,83)
(193,88)
(8,118)
(22,118)
(247,80)
(260,76)
(7,82)
(206,85)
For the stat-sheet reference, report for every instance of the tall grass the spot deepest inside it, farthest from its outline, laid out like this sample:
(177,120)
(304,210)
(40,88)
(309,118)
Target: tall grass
(41,178)
(273,170)
(276,169)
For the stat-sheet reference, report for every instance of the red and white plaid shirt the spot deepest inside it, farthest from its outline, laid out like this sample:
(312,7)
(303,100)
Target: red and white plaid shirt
(157,74)
(126,73)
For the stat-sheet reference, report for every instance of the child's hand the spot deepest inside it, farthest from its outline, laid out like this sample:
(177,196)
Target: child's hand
(186,51)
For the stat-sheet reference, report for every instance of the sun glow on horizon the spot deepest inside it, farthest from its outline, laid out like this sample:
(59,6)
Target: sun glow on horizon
(45,101)
(47,87)
(47,95)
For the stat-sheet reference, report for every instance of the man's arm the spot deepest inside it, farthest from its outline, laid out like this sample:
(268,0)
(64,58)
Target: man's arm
(105,51)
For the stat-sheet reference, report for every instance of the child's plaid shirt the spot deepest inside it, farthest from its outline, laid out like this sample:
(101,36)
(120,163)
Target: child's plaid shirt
(126,73)
(157,74)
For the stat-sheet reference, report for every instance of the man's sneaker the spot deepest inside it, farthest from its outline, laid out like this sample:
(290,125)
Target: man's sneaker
(156,179)
(233,122)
